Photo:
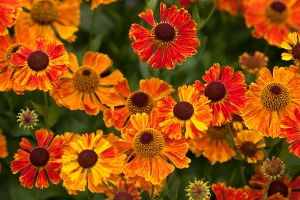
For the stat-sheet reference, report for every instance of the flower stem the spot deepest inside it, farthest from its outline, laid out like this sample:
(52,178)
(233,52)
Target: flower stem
(209,15)
(266,190)
(231,135)
(92,28)
(46,110)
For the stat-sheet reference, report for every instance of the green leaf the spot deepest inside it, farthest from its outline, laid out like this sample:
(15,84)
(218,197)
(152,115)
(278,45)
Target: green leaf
(53,114)
(284,150)
(144,68)
(196,17)
(152,4)
(96,42)
(145,195)
(39,108)
(230,141)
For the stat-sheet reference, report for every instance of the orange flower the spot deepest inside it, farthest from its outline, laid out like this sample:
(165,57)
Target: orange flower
(9,12)
(228,193)
(281,189)
(227,94)
(290,127)
(248,143)
(151,148)
(3,147)
(30,161)
(271,19)
(45,17)
(213,145)
(83,88)
(192,112)
(233,7)
(292,45)
(186,3)
(123,102)
(40,65)
(271,99)
(96,3)
(124,191)
(169,42)
(253,63)
(9,46)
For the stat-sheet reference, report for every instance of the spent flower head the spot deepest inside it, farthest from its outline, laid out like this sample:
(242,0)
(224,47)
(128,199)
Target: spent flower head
(27,118)
(199,190)
(272,169)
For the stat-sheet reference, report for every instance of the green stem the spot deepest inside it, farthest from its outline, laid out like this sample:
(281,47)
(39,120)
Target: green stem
(231,135)
(152,190)
(92,27)
(266,190)
(46,110)
(209,15)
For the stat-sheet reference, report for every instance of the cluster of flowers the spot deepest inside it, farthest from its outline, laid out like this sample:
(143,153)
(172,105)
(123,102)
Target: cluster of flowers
(157,129)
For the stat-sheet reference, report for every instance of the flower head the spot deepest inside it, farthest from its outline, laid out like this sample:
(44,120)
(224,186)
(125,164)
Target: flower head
(249,143)
(34,162)
(226,92)
(253,63)
(223,192)
(234,7)
(83,87)
(124,103)
(123,191)
(199,190)
(271,19)
(271,99)
(272,169)
(89,160)
(45,17)
(3,146)
(96,3)
(213,145)
(9,12)
(27,118)
(292,45)
(169,42)
(40,65)
(192,112)
(150,149)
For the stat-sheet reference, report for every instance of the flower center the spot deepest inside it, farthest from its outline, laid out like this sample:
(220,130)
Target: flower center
(275,96)
(215,91)
(148,143)
(276,12)
(183,110)
(272,169)
(39,157)
(296,51)
(164,34)
(217,133)
(248,149)
(10,50)
(28,118)
(86,80)
(87,158)
(253,62)
(44,12)
(123,196)
(139,102)
(280,187)
(38,61)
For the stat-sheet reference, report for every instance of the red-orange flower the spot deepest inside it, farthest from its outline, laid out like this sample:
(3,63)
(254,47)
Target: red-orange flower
(190,115)
(151,148)
(271,19)
(40,65)
(123,102)
(124,191)
(234,7)
(290,127)
(82,87)
(9,12)
(186,3)
(169,42)
(45,157)
(223,192)
(48,17)
(227,93)
(3,147)
(271,99)
(253,63)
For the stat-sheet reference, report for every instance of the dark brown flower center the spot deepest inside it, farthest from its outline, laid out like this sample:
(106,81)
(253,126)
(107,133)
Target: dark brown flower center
(38,61)
(183,110)
(122,195)
(87,158)
(248,149)
(276,187)
(86,80)
(44,12)
(140,102)
(148,143)
(217,133)
(27,118)
(215,91)
(39,157)
(164,34)
(276,12)
(296,51)
(275,96)
(10,50)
